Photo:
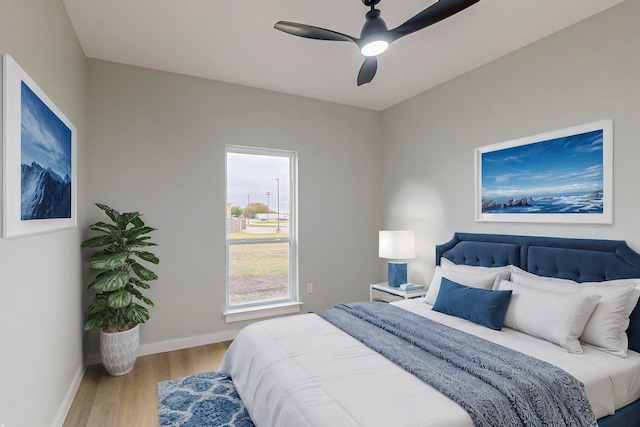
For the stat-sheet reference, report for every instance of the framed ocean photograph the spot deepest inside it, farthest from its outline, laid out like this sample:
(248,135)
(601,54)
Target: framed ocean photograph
(39,161)
(563,176)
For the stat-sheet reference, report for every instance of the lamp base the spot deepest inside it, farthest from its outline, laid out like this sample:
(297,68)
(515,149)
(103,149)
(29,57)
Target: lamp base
(397,274)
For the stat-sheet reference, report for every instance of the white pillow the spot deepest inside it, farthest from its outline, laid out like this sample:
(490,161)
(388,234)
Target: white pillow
(450,265)
(606,327)
(482,281)
(519,275)
(556,317)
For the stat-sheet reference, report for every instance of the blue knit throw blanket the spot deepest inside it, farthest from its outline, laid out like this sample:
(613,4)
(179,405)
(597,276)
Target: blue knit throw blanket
(496,385)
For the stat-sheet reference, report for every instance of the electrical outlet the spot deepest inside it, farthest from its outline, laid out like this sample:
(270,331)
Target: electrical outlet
(309,291)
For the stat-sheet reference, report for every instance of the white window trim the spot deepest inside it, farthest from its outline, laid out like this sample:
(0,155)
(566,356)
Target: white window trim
(258,312)
(283,306)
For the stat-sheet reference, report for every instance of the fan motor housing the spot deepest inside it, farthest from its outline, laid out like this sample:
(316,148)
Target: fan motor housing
(373,24)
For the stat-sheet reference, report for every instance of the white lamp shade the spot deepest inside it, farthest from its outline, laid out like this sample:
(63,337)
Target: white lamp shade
(397,244)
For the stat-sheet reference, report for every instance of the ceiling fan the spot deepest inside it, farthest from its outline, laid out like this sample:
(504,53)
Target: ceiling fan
(375,37)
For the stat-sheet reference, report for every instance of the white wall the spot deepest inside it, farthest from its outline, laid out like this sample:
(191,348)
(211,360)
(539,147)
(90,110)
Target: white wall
(156,144)
(585,73)
(40,276)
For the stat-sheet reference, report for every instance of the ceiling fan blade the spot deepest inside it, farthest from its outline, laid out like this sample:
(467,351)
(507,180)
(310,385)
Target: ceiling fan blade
(368,70)
(431,15)
(311,32)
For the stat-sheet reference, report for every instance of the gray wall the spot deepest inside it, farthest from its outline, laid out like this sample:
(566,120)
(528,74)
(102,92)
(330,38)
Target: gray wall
(585,73)
(156,145)
(40,277)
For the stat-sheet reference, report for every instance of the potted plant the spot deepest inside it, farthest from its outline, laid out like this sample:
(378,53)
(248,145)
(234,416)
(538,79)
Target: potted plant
(118,286)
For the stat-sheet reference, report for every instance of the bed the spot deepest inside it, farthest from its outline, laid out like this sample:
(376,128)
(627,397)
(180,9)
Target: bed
(303,370)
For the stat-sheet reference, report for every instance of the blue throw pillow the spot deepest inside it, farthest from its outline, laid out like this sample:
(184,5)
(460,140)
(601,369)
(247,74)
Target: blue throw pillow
(482,306)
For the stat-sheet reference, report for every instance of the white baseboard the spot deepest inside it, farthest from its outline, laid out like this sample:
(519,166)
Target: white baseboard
(177,344)
(68,398)
(143,350)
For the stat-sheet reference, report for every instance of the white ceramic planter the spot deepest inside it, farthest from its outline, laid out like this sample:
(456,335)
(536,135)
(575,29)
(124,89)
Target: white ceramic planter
(118,350)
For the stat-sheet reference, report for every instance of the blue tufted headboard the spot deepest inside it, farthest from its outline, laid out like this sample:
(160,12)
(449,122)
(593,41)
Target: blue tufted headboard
(581,260)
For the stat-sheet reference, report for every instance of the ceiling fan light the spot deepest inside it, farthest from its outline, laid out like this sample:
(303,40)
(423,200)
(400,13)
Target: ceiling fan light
(374,48)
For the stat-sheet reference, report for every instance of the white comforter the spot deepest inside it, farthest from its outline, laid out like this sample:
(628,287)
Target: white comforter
(303,371)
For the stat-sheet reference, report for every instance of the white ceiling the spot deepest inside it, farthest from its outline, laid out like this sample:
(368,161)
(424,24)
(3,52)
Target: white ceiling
(234,41)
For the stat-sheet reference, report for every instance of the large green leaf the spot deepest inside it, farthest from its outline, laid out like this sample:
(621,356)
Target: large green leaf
(137,313)
(119,299)
(98,241)
(131,216)
(111,213)
(97,305)
(110,281)
(141,241)
(102,226)
(147,256)
(143,272)
(146,300)
(125,218)
(137,222)
(108,261)
(135,232)
(94,321)
(136,293)
(139,283)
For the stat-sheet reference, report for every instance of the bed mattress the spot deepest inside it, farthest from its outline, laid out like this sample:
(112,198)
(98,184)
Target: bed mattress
(303,371)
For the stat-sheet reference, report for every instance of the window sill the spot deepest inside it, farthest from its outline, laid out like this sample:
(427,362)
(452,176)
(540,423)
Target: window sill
(250,313)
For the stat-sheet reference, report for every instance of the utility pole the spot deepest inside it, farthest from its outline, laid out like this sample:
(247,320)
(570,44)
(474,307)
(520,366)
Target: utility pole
(278,211)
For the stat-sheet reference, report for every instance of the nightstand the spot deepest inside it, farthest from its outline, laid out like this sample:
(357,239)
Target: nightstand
(387,293)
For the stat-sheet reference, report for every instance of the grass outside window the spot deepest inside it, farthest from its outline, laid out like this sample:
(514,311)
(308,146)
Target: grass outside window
(258,272)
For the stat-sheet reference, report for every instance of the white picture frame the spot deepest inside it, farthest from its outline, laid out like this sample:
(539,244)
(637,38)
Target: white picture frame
(39,158)
(563,176)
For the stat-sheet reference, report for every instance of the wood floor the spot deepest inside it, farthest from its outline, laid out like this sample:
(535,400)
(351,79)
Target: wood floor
(132,400)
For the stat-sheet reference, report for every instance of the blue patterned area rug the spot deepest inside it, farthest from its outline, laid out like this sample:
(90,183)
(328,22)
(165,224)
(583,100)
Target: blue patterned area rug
(204,400)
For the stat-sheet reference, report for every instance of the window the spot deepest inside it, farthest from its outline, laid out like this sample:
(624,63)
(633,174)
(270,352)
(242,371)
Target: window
(261,233)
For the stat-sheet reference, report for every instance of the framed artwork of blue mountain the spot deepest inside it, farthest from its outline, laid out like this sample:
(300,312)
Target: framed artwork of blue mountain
(564,176)
(39,168)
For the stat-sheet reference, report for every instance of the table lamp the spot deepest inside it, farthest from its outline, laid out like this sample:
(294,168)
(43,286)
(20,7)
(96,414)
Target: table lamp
(397,245)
